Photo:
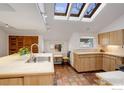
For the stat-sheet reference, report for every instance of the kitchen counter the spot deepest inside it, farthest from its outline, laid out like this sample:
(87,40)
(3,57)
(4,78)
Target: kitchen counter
(107,53)
(16,65)
(113,77)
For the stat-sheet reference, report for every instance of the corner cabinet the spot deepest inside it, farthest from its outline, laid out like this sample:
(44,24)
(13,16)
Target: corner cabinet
(94,62)
(87,62)
(17,42)
(111,38)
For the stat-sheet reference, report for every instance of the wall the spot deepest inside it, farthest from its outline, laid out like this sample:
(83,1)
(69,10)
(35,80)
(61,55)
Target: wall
(74,43)
(117,24)
(3,43)
(49,43)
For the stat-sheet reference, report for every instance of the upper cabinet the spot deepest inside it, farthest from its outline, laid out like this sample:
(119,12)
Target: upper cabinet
(116,37)
(111,38)
(103,38)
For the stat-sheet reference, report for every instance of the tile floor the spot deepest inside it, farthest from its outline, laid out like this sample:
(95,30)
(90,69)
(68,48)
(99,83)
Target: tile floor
(66,75)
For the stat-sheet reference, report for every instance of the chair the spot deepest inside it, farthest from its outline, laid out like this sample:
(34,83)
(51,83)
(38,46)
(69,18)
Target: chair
(66,59)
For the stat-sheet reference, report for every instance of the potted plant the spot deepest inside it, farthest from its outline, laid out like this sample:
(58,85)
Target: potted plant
(23,51)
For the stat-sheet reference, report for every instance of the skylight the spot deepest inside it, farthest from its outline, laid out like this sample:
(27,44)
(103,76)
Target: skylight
(91,9)
(76,9)
(61,9)
(85,12)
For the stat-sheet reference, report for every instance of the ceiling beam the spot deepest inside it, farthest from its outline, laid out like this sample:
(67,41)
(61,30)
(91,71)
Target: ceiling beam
(83,11)
(69,10)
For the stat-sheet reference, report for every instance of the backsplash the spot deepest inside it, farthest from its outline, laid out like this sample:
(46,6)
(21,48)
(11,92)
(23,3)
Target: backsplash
(114,49)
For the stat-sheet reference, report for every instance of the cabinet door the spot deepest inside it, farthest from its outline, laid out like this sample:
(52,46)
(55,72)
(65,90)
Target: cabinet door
(99,62)
(119,61)
(116,37)
(11,81)
(112,63)
(92,62)
(103,38)
(106,63)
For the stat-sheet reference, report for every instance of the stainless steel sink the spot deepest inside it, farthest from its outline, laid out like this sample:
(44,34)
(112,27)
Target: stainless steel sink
(38,59)
(41,57)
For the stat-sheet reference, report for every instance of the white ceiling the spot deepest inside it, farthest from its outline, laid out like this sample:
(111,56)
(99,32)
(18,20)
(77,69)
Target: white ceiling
(25,18)
(61,29)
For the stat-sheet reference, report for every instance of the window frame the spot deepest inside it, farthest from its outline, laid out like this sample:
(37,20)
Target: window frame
(94,44)
(94,10)
(61,14)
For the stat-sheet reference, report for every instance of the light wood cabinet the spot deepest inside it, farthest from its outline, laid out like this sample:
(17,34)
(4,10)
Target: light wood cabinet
(111,63)
(38,80)
(43,79)
(99,62)
(11,81)
(111,38)
(91,62)
(116,37)
(87,62)
(103,38)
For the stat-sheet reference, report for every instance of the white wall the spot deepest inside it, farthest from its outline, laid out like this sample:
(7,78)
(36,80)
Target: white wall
(3,43)
(74,43)
(115,25)
(48,43)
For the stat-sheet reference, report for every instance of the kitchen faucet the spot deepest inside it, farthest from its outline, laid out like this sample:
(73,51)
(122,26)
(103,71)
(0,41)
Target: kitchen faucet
(31,55)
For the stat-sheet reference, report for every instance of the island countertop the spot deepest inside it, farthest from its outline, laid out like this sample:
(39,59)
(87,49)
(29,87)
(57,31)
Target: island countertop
(16,65)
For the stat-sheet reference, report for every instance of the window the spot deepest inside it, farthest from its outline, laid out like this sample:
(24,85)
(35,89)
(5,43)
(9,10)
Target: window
(91,9)
(61,9)
(86,42)
(76,9)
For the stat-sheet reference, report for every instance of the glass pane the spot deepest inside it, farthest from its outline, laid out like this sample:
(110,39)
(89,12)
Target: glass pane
(60,7)
(76,8)
(86,42)
(90,8)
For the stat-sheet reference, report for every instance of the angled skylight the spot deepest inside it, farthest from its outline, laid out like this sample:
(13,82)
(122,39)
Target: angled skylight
(61,9)
(76,9)
(91,9)
(85,12)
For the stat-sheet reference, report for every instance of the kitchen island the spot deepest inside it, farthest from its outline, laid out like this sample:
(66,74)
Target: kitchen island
(14,70)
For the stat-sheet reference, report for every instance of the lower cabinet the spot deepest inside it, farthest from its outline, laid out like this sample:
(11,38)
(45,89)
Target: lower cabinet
(46,79)
(109,63)
(92,62)
(38,80)
(87,62)
(11,81)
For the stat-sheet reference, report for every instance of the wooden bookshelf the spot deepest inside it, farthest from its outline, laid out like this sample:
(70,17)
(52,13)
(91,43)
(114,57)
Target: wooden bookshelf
(17,42)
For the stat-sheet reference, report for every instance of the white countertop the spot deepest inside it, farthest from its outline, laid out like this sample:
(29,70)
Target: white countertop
(108,53)
(113,77)
(15,64)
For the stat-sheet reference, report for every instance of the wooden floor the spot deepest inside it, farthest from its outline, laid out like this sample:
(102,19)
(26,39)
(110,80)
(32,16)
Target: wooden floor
(66,75)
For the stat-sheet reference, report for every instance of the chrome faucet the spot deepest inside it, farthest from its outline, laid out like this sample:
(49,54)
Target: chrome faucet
(31,55)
